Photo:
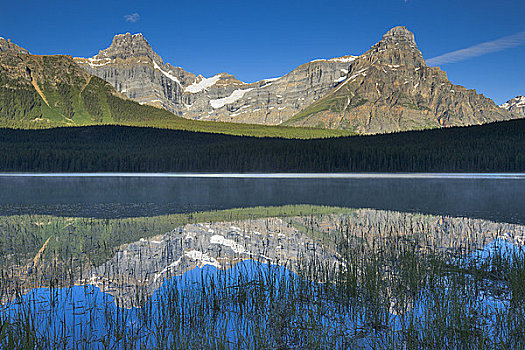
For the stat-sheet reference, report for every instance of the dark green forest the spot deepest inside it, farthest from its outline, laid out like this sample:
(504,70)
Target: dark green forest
(496,147)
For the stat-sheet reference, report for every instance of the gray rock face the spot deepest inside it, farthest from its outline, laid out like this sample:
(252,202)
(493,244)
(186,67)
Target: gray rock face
(399,34)
(8,46)
(274,101)
(516,105)
(126,46)
(134,69)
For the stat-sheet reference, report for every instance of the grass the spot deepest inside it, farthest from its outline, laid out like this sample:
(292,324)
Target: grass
(396,281)
(238,129)
(53,119)
(335,104)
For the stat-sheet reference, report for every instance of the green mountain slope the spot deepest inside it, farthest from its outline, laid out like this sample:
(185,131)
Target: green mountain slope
(50,91)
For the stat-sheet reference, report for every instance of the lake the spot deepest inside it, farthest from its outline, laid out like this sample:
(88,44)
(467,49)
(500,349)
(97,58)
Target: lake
(490,196)
(262,260)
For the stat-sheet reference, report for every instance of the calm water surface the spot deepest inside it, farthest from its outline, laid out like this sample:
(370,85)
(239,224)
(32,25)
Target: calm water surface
(490,196)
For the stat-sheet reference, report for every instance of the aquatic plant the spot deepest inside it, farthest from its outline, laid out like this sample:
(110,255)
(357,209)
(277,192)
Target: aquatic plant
(395,281)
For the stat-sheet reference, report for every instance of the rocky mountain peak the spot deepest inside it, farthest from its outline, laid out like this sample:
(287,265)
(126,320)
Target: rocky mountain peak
(129,45)
(399,34)
(390,88)
(7,46)
(398,47)
(516,105)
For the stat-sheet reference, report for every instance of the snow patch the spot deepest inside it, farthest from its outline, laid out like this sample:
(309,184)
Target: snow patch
(518,101)
(340,79)
(266,85)
(268,82)
(236,247)
(345,59)
(235,96)
(203,258)
(355,75)
(204,84)
(170,266)
(166,74)
(98,62)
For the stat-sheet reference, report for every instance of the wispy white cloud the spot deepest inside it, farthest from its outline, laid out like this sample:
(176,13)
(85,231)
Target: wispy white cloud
(506,42)
(134,17)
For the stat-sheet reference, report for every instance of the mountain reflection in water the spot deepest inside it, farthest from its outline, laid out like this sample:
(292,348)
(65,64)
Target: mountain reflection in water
(365,275)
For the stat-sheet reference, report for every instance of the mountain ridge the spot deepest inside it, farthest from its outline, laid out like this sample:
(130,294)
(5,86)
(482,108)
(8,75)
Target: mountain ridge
(52,91)
(7,46)
(131,67)
(302,97)
(389,88)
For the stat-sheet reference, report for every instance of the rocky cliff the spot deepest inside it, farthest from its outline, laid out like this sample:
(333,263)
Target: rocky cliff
(134,69)
(7,46)
(390,88)
(516,105)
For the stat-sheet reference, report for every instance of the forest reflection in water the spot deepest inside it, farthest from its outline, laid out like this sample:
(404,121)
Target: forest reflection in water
(297,276)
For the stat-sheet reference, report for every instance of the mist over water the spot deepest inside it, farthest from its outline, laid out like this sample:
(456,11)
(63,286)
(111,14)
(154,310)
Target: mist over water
(497,197)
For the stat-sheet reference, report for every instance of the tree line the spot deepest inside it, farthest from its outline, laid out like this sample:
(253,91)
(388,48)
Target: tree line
(496,147)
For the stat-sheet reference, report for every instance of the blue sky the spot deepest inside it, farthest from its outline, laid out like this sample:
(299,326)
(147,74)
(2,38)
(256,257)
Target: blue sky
(262,39)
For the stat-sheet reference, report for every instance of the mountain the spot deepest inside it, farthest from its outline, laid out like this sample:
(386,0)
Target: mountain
(134,69)
(50,91)
(390,88)
(43,91)
(516,105)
